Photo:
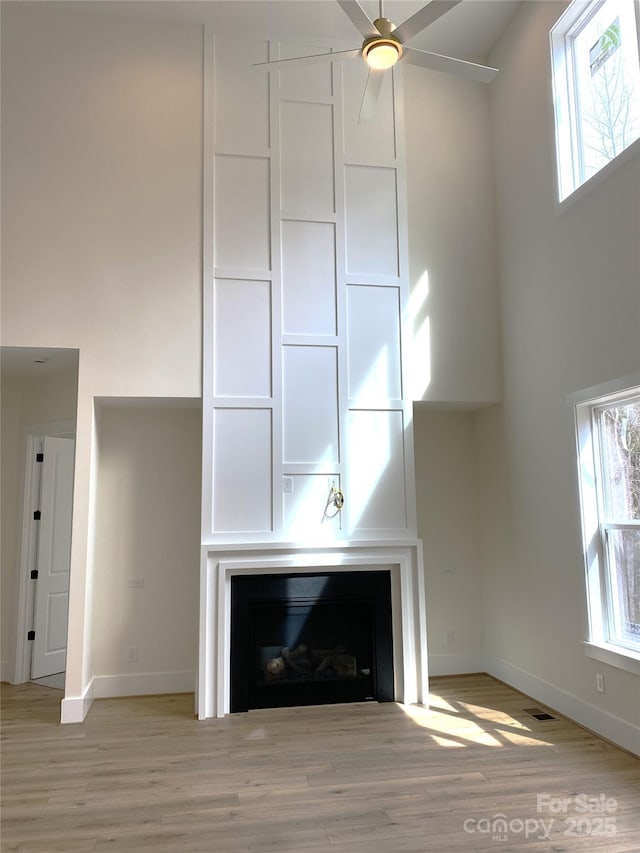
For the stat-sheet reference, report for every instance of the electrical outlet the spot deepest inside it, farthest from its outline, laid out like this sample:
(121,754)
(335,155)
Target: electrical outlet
(132,654)
(449,637)
(599,682)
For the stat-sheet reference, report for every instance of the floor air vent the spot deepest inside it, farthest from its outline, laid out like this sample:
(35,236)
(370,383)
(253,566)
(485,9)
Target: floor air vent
(537,714)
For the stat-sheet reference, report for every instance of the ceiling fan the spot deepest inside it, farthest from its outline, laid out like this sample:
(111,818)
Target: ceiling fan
(385,44)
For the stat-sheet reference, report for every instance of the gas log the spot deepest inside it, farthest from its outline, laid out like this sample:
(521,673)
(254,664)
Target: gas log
(303,663)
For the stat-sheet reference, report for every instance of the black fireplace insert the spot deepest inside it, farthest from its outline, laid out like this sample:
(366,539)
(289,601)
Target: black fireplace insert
(311,639)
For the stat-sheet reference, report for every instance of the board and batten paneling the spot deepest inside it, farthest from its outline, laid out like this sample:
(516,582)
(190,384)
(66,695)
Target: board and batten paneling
(377,482)
(371,220)
(373,344)
(309,83)
(242,470)
(305,498)
(308,278)
(306,159)
(236,83)
(366,142)
(242,363)
(306,287)
(242,212)
(310,405)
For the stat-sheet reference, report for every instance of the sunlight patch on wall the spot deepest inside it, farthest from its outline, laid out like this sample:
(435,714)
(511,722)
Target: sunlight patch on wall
(305,501)
(419,344)
(377,379)
(369,452)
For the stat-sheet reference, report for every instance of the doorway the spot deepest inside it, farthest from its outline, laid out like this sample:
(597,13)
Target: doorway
(51,591)
(39,402)
(43,588)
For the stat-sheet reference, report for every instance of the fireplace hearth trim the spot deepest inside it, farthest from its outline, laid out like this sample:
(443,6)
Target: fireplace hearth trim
(407,601)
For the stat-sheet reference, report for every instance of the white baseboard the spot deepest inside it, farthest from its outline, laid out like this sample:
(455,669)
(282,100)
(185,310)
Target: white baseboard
(601,722)
(74,709)
(457,664)
(143,684)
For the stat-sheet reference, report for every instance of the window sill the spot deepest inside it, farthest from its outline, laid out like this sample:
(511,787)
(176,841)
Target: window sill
(614,656)
(630,153)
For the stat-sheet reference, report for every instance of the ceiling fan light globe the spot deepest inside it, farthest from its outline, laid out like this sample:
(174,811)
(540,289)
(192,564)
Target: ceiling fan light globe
(381,54)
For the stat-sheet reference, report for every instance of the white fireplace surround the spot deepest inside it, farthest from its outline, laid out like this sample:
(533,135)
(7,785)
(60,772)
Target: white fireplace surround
(403,560)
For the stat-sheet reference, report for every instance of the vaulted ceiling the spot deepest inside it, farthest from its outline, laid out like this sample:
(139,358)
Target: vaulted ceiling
(469,30)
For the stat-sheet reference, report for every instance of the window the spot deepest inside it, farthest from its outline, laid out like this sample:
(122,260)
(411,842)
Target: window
(608,429)
(596,82)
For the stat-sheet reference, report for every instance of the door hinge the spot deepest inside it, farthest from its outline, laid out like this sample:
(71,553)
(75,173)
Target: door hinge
(31,635)
(39,457)
(37,515)
(34,574)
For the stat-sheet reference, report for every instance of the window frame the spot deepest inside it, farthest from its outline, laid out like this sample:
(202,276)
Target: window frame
(595,523)
(569,157)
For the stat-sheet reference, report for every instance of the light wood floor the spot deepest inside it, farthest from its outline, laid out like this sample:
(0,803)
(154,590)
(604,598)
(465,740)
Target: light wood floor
(143,774)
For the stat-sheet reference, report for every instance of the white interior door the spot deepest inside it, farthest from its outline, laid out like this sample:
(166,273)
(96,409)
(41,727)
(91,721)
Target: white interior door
(54,552)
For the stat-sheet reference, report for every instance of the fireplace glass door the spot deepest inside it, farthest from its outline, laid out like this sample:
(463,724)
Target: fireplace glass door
(310,639)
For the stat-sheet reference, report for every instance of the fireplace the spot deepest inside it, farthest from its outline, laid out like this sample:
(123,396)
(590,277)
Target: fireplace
(311,639)
(400,562)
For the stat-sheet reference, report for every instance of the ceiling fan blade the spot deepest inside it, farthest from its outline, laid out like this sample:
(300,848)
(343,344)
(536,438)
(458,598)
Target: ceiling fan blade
(359,18)
(422,18)
(370,97)
(459,67)
(309,60)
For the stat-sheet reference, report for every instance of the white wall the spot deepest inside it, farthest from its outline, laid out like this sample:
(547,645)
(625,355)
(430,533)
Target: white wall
(448,524)
(452,236)
(24,402)
(148,529)
(101,191)
(570,296)
(456,324)
(101,226)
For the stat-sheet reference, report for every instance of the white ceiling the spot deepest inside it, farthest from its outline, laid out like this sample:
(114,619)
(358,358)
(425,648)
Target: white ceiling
(468,31)
(37,363)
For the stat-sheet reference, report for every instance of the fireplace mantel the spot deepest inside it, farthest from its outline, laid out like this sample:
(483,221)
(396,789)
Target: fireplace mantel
(404,561)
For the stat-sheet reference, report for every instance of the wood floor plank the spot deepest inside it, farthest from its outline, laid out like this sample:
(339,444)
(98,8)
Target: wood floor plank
(142,774)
